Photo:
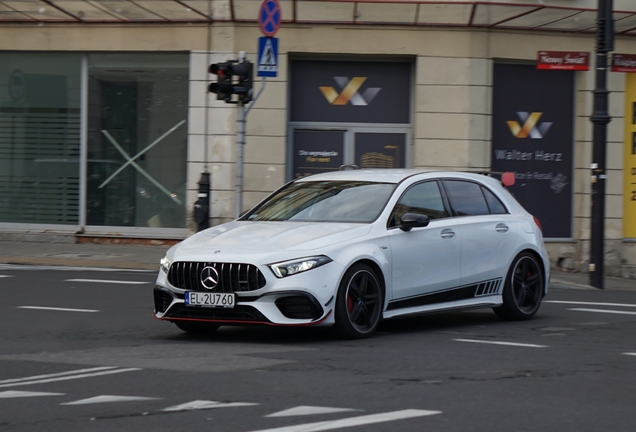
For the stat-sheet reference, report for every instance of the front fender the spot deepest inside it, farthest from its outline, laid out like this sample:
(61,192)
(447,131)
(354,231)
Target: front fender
(377,252)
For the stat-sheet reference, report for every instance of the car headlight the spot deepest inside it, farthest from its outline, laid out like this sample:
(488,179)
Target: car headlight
(288,268)
(164,264)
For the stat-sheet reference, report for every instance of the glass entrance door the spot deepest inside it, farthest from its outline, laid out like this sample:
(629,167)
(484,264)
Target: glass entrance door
(316,150)
(380,149)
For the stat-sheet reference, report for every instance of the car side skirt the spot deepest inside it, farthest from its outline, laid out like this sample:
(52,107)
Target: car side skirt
(487,293)
(492,301)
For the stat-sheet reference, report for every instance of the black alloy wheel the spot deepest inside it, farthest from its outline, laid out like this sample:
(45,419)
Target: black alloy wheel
(523,289)
(359,303)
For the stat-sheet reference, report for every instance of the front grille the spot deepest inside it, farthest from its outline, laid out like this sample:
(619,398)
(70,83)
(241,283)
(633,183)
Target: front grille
(162,300)
(299,307)
(231,277)
(237,313)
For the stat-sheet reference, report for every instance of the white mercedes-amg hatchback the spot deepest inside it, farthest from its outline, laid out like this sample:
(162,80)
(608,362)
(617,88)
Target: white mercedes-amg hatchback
(350,248)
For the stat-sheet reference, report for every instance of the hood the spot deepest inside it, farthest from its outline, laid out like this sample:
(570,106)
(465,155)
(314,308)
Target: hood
(248,237)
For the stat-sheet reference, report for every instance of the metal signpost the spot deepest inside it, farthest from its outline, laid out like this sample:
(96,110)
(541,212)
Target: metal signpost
(235,78)
(269,20)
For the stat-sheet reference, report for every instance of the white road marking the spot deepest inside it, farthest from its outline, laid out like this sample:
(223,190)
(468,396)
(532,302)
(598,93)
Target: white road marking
(78,371)
(108,398)
(632,354)
(65,378)
(353,421)
(308,410)
(9,394)
(107,281)
(1,276)
(590,303)
(603,311)
(70,268)
(203,404)
(56,309)
(501,343)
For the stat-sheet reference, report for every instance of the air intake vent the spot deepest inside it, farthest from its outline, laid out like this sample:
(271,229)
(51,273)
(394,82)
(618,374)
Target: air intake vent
(162,300)
(218,277)
(299,307)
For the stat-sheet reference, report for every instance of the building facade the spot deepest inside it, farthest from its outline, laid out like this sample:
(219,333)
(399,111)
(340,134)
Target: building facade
(106,122)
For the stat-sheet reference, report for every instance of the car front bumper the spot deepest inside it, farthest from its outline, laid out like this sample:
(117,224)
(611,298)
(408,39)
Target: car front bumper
(303,299)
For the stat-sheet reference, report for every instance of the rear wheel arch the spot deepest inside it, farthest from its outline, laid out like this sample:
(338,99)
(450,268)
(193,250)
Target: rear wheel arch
(539,259)
(523,287)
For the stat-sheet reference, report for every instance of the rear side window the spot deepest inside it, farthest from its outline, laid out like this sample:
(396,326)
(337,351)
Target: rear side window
(495,206)
(466,198)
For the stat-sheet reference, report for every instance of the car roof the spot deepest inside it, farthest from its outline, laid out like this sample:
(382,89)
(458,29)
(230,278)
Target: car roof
(392,175)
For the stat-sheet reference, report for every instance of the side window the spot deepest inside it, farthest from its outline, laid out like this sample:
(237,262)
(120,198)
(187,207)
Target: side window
(496,207)
(466,198)
(423,198)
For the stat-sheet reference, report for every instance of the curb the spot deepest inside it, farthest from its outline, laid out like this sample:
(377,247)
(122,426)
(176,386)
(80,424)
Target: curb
(126,265)
(557,283)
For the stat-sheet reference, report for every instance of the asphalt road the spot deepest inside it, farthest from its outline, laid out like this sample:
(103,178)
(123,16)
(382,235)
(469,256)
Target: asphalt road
(102,363)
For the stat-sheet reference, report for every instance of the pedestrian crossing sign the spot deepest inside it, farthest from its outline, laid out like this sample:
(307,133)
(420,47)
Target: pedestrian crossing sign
(267,57)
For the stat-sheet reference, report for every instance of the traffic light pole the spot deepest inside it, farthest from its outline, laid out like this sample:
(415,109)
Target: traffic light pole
(240,150)
(600,118)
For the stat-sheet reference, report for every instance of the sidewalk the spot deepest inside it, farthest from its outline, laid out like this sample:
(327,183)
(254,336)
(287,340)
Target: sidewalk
(99,255)
(146,257)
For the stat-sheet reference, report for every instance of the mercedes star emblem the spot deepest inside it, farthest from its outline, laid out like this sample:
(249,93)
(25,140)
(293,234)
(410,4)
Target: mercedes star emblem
(209,277)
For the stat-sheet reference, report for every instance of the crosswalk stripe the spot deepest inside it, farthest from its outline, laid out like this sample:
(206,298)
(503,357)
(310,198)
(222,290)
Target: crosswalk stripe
(353,421)
(109,398)
(73,372)
(10,394)
(591,303)
(308,410)
(56,309)
(603,311)
(516,344)
(203,404)
(107,281)
(72,377)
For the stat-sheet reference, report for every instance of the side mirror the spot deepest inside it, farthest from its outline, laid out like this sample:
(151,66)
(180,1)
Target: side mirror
(408,221)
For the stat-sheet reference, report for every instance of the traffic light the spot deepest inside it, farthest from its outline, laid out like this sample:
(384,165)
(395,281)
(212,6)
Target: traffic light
(223,86)
(227,84)
(245,73)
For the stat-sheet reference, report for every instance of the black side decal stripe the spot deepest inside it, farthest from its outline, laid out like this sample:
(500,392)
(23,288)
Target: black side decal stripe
(480,289)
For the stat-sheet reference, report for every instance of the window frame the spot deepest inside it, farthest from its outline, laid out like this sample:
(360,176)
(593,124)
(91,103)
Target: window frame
(482,187)
(445,202)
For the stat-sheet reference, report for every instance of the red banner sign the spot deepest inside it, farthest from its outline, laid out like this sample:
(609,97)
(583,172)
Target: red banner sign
(563,60)
(624,63)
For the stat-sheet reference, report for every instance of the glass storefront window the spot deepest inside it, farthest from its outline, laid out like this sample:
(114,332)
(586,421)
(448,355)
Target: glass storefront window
(137,140)
(40,138)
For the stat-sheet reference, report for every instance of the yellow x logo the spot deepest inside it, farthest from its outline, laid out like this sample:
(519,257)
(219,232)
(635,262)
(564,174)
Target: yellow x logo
(347,93)
(529,127)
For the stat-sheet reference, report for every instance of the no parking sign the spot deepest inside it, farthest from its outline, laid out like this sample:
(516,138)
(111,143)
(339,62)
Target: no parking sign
(269,17)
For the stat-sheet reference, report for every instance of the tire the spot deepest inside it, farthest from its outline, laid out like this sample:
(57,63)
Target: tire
(523,289)
(359,303)
(196,327)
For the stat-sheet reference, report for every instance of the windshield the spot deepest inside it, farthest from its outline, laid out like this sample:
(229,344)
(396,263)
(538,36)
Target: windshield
(325,201)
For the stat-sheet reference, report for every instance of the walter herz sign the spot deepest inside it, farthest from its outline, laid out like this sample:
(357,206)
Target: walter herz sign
(533,137)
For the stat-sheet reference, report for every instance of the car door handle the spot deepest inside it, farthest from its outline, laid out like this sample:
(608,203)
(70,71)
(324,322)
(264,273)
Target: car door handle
(502,228)
(447,233)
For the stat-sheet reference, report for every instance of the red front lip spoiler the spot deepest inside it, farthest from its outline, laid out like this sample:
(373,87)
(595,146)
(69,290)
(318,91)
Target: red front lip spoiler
(240,322)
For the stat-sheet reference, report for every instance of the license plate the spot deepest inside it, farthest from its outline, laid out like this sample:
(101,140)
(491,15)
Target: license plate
(219,300)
